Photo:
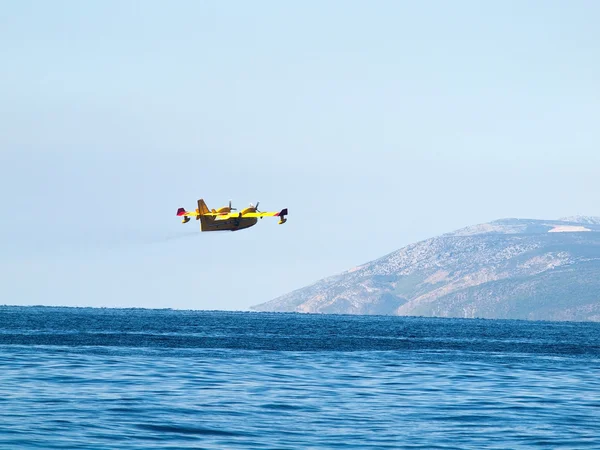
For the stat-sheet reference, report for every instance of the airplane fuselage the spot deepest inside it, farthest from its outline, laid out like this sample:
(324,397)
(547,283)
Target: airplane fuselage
(231,224)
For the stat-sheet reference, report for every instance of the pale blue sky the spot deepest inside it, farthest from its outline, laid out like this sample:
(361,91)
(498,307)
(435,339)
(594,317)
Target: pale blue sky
(377,124)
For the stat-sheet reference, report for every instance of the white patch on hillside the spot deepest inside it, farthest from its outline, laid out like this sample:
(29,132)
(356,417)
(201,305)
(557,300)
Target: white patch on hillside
(568,229)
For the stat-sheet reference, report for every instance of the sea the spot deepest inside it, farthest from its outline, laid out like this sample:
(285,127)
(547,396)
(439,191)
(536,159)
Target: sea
(96,378)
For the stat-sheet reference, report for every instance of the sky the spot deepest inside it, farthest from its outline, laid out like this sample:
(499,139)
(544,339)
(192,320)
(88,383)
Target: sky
(377,124)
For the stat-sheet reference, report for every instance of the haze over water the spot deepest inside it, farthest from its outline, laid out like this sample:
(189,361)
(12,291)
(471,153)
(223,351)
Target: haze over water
(135,378)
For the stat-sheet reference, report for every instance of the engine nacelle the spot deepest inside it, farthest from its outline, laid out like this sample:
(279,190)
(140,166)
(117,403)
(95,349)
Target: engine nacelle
(226,209)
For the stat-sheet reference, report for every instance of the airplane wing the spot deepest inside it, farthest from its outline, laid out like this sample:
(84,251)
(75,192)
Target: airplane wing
(259,214)
(221,216)
(224,216)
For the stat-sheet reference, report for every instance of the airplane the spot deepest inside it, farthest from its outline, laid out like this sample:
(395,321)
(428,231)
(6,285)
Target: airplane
(224,219)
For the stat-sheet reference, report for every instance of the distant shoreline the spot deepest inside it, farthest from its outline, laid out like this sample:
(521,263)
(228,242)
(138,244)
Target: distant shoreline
(294,313)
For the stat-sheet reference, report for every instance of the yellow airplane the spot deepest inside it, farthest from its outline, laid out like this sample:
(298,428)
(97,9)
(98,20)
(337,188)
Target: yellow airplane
(223,219)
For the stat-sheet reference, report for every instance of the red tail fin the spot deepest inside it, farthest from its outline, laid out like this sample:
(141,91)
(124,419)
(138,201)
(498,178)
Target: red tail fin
(181,212)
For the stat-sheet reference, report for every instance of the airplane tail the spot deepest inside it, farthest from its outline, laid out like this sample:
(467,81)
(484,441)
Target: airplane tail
(185,214)
(202,208)
(204,220)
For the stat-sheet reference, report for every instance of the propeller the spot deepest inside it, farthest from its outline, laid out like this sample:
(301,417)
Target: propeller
(230,208)
(255,207)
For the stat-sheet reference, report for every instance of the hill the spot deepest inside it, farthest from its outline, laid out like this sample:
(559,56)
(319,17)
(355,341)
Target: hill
(509,268)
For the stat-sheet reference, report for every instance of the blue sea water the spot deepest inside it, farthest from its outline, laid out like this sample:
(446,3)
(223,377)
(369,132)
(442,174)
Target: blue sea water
(143,379)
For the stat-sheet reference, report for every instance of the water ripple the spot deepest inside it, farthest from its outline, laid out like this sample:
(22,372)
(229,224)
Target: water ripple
(133,379)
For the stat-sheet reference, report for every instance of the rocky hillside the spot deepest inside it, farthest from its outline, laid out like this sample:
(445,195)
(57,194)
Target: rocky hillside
(509,268)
